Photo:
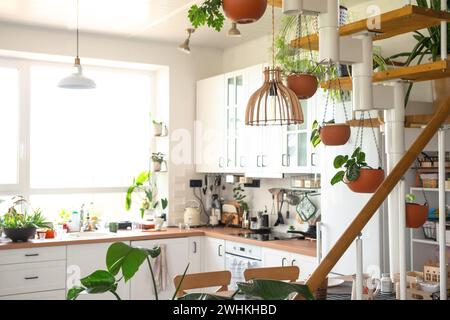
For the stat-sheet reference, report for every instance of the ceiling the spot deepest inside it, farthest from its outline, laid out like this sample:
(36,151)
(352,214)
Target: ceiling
(158,20)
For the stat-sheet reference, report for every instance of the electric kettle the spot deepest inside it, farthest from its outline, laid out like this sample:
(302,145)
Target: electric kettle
(192,213)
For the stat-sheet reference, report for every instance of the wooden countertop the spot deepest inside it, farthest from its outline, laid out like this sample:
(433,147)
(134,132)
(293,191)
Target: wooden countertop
(303,247)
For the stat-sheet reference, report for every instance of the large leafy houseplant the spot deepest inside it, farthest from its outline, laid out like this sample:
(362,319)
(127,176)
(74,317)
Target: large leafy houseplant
(428,44)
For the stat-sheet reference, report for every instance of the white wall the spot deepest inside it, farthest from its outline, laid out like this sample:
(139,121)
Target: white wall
(184,70)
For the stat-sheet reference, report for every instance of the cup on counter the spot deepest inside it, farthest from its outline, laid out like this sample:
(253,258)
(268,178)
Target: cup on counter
(113,227)
(41,234)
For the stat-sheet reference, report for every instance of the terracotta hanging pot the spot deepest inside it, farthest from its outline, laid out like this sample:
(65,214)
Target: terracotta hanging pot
(304,85)
(244,11)
(368,182)
(335,134)
(416,215)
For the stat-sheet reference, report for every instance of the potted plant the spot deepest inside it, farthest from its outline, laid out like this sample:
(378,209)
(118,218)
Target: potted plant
(157,159)
(358,176)
(299,66)
(416,214)
(147,194)
(330,133)
(158,128)
(238,11)
(428,45)
(20,227)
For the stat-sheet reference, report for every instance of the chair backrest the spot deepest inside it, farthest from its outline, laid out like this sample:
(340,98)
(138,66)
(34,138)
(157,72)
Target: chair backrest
(203,280)
(288,273)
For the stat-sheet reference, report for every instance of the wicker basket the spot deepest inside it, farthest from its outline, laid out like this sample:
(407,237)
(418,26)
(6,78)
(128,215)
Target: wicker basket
(429,230)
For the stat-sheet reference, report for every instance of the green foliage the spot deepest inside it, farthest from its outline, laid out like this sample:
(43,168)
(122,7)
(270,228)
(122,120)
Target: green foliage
(274,290)
(351,166)
(427,44)
(148,194)
(410,198)
(120,257)
(158,157)
(14,219)
(208,13)
(164,203)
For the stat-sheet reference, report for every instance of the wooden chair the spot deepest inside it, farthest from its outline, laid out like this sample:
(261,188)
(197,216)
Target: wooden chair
(203,280)
(288,273)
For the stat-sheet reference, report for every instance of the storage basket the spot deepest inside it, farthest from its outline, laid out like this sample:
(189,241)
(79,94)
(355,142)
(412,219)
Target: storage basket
(429,230)
(429,180)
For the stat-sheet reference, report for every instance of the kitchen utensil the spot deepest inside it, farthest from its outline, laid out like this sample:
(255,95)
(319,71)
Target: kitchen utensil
(292,199)
(192,213)
(306,209)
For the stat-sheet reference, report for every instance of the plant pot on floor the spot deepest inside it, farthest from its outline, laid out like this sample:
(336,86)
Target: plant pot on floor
(416,215)
(368,182)
(244,11)
(335,134)
(20,234)
(304,85)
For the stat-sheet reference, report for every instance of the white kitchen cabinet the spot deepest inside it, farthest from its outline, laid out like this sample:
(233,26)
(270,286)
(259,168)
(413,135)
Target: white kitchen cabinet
(209,128)
(177,258)
(43,295)
(213,254)
(195,254)
(278,258)
(84,259)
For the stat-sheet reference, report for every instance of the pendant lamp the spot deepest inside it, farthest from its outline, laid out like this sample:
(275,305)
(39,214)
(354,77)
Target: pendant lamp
(273,103)
(77,80)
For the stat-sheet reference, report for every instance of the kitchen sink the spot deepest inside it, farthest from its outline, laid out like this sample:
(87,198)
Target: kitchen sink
(89,234)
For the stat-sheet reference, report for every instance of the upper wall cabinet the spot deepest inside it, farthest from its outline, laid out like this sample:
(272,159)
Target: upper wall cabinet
(224,144)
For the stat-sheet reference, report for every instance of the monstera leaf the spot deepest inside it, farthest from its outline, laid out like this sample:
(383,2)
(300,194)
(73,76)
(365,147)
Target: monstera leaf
(274,290)
(100,281)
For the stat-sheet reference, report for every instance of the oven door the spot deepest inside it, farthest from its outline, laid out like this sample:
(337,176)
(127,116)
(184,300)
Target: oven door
(236,265)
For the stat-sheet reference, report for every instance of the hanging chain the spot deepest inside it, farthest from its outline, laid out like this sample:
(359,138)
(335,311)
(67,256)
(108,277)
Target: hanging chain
(327,101)
(273,37)
(360,132)
(380,160)
(343,102)
(309,40)
(299,34)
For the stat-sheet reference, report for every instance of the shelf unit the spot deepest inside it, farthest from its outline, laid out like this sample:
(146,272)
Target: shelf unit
(393,23)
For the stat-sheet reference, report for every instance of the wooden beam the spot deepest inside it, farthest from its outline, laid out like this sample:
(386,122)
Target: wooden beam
(420,120)
(377,199)
(393,23)
(368,123)
(418,73)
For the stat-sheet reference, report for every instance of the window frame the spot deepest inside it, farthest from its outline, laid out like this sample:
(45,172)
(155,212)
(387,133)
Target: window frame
(23,186)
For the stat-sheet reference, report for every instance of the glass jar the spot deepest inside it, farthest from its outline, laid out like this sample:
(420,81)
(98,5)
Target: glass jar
(386,283)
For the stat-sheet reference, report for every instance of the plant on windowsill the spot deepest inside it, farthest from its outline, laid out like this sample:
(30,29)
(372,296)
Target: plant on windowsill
(416,214)
(147,194)
(242,12)
(157,160)
(358,176)
(21,226)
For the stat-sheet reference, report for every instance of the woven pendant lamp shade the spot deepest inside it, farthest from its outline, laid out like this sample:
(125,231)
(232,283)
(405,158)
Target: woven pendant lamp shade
(273,103)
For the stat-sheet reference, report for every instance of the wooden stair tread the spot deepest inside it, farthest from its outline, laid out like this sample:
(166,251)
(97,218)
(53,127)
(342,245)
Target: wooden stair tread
(393,23)
(276,3)
(422,72)
(412,121)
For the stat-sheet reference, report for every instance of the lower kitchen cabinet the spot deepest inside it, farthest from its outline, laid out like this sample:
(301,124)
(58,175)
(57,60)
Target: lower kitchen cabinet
(84,259)
(177,258)
(44,295)
(195,254)
(213,254)
(278,258)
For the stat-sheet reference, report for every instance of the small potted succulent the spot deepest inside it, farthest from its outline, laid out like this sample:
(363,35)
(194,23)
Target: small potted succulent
(239,11)
(416,214)
(330,133)
(157,160)
(158,128)
(18,224)
(355,172)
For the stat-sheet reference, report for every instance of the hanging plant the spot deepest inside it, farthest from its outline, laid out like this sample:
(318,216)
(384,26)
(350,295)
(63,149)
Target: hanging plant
(416,214)
(356,173)
(239,11)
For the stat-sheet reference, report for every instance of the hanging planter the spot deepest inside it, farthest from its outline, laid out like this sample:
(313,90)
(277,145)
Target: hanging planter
(334,134)
(239,11)
(304,85)
(416,214)
(244,11)
(368,181)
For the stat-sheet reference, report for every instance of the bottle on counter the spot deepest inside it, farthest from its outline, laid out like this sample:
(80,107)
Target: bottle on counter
(74,224)
(386,284)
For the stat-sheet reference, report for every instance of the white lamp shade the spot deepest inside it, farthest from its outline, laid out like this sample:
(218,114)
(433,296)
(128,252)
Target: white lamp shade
(292,7)
(77,81)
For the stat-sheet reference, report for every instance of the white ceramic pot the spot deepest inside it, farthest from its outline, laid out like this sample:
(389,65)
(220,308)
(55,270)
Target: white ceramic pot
(157,129)
(156,166)
(292,7)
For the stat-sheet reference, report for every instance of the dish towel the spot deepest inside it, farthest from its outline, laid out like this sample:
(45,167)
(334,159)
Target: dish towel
(160,270)
(237,272)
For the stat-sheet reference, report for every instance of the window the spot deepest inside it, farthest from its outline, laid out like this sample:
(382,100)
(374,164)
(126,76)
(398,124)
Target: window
(84,145)
(9,125)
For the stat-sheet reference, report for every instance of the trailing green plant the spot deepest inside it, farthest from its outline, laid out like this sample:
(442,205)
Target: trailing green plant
(351,166)
(239,195)
(410,198)
(16,220)
(208,13)
(122,258)
(158,157)
(428,45)
(148,194)
(315,133)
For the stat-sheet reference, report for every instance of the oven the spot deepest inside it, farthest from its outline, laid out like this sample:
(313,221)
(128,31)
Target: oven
(238,257)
